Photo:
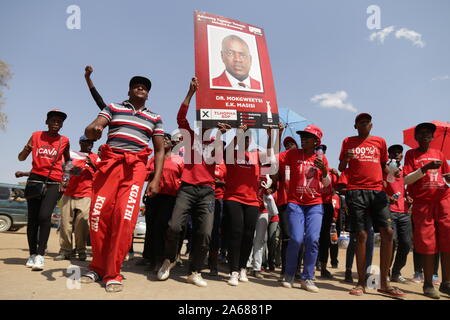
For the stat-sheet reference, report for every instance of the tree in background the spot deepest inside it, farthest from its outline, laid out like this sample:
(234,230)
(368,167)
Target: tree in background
(5,75)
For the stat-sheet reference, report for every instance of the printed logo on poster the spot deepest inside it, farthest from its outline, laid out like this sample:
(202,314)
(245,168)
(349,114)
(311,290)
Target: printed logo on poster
(218,114)
(257,31)
(233,68)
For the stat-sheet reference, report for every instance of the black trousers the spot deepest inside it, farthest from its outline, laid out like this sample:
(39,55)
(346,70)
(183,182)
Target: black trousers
(402,226)
(241,221)
(158,213)
(216,235)
(39,217)
(197,201)
(324,240)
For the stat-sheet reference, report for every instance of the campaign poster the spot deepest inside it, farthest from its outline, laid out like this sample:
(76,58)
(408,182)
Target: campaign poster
(235,77)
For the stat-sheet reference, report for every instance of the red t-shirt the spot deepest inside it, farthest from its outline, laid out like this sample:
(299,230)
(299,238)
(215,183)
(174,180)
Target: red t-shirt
(398,186)
(281,190)
(170,178)
(432,186)
(327,192)
(242,182)
(195,173)
(220,173)
(365,171)
(45,150)
(305,186)
(336,201)
(80,184)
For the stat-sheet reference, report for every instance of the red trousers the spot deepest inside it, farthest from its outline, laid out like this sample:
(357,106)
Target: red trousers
(431,220)
(117,188)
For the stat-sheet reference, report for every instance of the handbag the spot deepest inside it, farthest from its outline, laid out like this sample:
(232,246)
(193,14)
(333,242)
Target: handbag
(36,189)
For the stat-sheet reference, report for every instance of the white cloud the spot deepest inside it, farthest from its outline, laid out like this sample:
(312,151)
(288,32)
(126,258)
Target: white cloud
(334,100)
(381,35)
(446,77)
(413,36)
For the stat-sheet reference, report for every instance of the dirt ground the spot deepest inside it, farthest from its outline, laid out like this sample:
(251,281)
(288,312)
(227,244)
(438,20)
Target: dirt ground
(20,283)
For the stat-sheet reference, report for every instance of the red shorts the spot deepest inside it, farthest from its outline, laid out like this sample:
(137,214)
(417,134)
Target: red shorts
(431,221)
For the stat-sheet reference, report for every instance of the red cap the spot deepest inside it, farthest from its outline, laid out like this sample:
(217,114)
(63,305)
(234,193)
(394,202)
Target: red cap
(315,130)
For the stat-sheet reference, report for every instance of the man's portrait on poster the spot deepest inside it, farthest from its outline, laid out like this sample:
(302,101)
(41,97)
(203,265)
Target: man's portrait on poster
(233,60)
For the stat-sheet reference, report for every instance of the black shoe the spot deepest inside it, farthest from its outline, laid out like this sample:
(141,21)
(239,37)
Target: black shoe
(213,273)
(334,265)
(257,274)
(326,274)
(61,257)
(348,276)
(398,278)
(431,292)
(445,287)
(82,256)
(143,262)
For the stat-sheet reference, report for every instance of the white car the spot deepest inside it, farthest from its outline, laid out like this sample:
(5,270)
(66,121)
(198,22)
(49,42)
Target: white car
(139,230)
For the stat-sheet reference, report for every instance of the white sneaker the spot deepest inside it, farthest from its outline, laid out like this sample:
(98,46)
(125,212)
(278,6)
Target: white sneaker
(196,278)
(309,285)
(164,271)
(287,281)
(234,279)
(243,275)
(30,261)
(38,263)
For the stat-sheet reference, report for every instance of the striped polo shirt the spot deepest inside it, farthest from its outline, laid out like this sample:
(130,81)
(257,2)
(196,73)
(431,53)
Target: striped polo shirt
(130,130)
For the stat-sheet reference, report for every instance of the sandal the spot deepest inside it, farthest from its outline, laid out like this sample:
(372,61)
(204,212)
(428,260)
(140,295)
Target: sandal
(392,292)
(357,291)
(114,286)
(89,277)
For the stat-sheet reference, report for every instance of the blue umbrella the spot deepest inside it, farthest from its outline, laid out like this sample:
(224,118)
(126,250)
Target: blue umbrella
(293,122)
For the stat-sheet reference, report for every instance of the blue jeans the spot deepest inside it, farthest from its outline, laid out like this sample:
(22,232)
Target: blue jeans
(304,226)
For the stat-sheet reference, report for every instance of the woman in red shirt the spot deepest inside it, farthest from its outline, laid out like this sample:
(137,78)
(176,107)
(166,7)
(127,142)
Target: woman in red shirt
(241,205)
(309,174)
(49,148)
(158,210)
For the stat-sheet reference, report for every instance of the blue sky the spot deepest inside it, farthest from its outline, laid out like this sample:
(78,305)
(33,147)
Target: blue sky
(317,49)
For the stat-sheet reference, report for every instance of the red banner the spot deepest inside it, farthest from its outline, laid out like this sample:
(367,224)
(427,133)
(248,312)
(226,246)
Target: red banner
(234,73)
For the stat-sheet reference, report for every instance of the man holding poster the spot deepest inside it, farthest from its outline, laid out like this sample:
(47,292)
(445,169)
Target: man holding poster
(233,68)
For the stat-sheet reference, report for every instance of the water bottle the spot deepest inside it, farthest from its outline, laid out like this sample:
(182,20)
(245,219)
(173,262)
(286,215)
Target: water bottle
(333,234)
(66,175)
(393,166)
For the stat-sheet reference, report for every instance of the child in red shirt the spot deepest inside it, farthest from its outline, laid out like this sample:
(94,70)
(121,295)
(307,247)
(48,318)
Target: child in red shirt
(401,219)
(427,173)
